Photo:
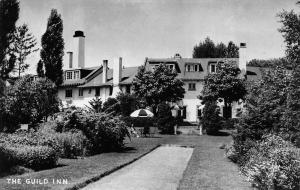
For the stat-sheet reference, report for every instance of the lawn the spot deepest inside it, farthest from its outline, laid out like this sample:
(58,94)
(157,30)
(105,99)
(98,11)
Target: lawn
(79,172)
(207,169)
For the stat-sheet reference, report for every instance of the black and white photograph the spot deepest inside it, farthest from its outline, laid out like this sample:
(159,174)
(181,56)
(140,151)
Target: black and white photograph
(149,95)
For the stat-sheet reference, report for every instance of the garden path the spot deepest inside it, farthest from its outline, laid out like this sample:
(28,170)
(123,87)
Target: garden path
(161,169)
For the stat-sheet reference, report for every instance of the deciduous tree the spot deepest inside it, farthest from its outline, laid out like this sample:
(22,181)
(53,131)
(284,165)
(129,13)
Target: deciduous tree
(225,84)
(158,86)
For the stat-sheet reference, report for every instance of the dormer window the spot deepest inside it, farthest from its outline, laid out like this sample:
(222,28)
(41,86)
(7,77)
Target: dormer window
(193,67)
(171,67)
(76,75)
(69,75)
(72,75)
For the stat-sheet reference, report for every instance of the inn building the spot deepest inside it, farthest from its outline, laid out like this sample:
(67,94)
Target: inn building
(81,83)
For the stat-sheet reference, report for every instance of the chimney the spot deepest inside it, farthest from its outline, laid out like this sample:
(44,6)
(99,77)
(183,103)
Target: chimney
(79,39)
(104,71)
(70,59)
(242,59)
(117,75)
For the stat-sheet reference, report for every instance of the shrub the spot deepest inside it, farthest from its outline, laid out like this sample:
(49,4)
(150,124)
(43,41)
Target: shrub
(111,106)
(229,123)
(165,121)
(103,131)
(128,103)
(274,164)
(29,101)
(35,157)
(211,120)
(72,144)
(96,104)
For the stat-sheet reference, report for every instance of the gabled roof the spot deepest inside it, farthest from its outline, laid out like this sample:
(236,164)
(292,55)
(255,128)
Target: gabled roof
(128,74)
(83,80)
(182,62)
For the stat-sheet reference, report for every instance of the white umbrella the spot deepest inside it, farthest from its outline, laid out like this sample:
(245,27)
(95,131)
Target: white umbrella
(141,113)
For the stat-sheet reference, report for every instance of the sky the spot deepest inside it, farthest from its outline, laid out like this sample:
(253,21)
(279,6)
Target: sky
(136,29)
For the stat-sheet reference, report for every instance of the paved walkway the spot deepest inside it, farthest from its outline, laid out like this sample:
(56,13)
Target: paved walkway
(161,169)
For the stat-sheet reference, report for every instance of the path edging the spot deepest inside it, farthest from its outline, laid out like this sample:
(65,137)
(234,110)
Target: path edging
(96,178)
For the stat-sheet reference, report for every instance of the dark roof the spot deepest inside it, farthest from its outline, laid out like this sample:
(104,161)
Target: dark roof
(83,80)
(128,74)
(182,62)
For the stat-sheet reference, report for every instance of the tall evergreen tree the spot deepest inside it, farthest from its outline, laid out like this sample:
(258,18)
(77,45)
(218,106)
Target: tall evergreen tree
(205,49)
(232,50)
(221,50)
(53,48)
(9,14)
(24,44)
(40,69)
(208,49)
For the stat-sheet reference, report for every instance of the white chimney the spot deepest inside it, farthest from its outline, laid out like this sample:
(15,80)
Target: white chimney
(117,75)
(79,52)
(242,59)
(70,59)
(104,71)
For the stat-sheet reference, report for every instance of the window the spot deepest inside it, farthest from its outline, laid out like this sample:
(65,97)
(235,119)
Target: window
(128,89)
(110,90)
(184,112)
(69,75)
(213,68)
(76,75)
(192,86)
(97,93)
(80,92)
(196,67)
(90,90)
(69,93)
(188,68)
(171,67)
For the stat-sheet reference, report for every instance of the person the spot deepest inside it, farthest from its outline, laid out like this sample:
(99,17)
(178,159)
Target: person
(200,122)
(133,131)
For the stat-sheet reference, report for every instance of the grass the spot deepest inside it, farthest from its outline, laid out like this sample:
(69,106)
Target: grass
(208,168)
(80,172)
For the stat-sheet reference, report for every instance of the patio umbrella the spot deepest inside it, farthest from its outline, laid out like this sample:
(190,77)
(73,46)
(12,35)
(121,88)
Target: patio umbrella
(141,113)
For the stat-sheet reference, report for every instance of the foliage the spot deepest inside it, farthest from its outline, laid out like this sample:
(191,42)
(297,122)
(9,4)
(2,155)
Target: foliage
(158,86)
(35,157)
(274,164)
(208,49)
(104,131)
(23,45)
(2,88)
(225,84)
(165,121)
(290,120)
(72,144)
(211,120)
(290,30)
(232,50)
(53,48)
(40,69)
(111,106)
(9,14)
(96,104)
(29,102)
(269,63)
(128,103)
